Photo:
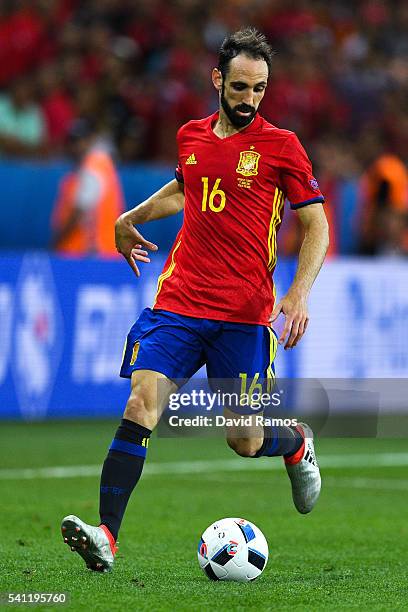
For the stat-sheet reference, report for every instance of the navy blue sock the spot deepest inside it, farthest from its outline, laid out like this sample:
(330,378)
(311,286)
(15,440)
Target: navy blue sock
(121,472)
(278,441)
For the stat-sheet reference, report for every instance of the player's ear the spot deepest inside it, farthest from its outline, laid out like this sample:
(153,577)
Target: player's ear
(217,79)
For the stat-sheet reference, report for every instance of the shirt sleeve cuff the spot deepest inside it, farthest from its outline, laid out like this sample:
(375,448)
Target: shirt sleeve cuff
(179,177)
(316,200)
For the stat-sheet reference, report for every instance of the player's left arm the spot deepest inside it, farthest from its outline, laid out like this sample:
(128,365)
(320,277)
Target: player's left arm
(311,256)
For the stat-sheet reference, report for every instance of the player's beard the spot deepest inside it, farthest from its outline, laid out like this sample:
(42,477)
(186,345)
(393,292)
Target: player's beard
(238,121)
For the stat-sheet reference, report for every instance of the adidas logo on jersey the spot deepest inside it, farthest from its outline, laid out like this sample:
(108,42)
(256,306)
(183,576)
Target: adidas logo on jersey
(191,160)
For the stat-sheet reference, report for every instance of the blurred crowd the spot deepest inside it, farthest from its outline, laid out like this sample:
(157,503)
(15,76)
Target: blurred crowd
(141,68)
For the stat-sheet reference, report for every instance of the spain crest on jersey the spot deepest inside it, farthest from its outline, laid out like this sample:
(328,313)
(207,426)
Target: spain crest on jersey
(248,163)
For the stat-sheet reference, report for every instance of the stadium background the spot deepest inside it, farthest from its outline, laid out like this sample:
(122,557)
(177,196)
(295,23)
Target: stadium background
(141,69)
(340,80)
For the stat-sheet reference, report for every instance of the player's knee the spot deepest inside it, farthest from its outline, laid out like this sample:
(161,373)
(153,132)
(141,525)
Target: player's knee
(139,409)
(245,447)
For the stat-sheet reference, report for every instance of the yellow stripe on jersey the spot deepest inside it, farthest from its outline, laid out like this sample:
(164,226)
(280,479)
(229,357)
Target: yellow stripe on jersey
(275,220)
(274,294)
(278,219)
(271,225)
(167,273)
(273,347)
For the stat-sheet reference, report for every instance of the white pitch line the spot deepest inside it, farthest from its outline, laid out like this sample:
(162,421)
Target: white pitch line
(366,483)
(201,467)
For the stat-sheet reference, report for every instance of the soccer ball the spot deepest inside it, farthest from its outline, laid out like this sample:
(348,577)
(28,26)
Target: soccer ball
(232,549)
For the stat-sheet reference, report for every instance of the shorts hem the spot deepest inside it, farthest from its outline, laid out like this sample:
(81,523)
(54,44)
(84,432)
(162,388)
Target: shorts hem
(158,371)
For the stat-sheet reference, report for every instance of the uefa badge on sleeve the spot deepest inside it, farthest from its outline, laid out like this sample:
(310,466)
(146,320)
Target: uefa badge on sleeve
(314,184)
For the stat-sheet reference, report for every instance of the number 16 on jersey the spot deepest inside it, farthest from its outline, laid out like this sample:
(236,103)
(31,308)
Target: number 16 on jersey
(213,194)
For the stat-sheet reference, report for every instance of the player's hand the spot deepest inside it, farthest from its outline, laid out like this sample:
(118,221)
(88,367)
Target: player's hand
(294,307)
(131,244)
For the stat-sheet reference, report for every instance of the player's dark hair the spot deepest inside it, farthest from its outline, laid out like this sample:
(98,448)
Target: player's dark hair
(249,41)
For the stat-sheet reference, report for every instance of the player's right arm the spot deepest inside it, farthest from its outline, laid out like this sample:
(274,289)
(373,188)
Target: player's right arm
(167,201)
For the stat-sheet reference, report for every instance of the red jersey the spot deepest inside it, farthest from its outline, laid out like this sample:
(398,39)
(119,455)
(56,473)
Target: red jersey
(221,264)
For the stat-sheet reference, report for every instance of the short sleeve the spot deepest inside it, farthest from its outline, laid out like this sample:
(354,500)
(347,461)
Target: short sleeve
(298,183)
(179,173)
(179,170)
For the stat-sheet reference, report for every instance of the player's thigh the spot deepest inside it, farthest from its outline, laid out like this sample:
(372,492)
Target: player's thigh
(148,398)
(243,358)
(241,363)
(162,350)
(163,342)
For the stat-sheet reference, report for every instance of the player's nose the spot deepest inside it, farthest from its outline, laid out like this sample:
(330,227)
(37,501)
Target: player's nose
(249,98)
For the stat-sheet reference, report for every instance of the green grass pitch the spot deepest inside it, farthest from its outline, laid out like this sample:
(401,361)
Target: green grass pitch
(350,553)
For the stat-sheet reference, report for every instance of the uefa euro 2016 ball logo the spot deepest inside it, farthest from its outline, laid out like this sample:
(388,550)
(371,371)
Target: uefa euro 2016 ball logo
(232,548)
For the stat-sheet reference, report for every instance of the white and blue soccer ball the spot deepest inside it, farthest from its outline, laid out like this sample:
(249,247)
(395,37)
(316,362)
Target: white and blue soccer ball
(233,549)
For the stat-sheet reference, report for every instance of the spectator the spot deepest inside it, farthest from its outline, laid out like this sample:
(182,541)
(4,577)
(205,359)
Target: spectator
(385,207)
(22,124)
(21,39)
(90,198)
(57,105)
(384,201)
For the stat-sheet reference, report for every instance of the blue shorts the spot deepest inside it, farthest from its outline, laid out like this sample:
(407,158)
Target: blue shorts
(178,346)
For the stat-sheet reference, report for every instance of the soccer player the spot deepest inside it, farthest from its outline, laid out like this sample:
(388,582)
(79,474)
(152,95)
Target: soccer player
(215,297)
